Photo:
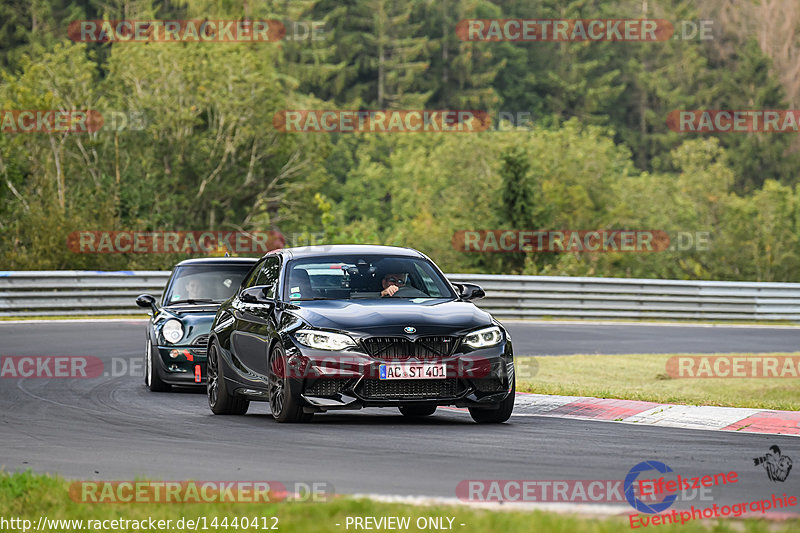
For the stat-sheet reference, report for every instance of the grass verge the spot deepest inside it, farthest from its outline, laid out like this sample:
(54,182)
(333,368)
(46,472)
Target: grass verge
(30,496)
(644,377)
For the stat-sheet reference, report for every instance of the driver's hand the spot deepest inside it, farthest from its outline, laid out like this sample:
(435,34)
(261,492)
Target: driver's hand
(390,290)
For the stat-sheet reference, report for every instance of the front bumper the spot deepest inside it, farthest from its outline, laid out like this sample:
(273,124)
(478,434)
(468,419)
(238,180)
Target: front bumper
(351,380)
(187,368)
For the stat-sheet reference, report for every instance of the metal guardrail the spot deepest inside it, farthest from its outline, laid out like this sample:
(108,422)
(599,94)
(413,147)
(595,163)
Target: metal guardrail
(43,293)
(77,292)
(597,298)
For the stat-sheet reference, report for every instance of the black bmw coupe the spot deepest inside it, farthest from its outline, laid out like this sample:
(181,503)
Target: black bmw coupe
(349,326)
(177,332)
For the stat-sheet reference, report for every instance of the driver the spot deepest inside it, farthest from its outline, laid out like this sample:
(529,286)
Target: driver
(392,283)
(194,288)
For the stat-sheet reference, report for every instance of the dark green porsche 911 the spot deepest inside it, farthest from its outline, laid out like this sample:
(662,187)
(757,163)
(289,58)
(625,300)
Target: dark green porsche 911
(177,332)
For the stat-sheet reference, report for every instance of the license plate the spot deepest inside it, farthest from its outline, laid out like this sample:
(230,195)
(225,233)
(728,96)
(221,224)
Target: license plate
(413,371)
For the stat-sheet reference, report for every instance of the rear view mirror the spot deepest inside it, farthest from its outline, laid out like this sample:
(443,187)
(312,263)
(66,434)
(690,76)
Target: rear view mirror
(470,291)
(255,295)
(147,301)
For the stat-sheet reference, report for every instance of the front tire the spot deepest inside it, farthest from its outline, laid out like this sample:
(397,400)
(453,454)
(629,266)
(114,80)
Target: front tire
(496,416)
(417,411)
(282,403)
(151,376)
(220,400)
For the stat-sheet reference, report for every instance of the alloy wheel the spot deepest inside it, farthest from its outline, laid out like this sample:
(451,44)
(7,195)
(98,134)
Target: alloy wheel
(276,383)
(212,385)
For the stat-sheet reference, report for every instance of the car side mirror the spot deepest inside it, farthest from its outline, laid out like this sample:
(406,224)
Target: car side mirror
(256,295)
(147,301)
(470,291)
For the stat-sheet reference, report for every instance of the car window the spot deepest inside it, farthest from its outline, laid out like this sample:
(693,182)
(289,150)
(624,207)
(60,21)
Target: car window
(216,283)
(351,277)
(253,277)
(268,275)
(431,287)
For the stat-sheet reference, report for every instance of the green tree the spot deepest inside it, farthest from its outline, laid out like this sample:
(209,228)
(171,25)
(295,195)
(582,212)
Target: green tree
(379,54)
(461,73)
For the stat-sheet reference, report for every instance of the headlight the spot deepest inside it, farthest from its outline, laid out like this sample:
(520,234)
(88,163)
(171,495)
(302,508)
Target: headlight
(172,331)
(484,337)
(323,340)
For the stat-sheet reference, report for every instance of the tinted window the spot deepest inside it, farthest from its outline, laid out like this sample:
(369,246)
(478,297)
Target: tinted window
(269,274)
(349,277)
(251,279)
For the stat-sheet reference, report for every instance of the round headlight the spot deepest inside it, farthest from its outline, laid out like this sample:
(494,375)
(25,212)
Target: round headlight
(172,331)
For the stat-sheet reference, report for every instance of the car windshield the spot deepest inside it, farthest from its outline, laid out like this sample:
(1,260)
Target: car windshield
(205,283)
(351,277)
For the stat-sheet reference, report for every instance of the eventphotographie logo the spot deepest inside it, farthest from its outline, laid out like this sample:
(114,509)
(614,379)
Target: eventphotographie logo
(777,465)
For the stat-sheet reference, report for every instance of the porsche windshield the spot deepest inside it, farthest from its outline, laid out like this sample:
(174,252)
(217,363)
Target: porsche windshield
(351,277)
(205,283)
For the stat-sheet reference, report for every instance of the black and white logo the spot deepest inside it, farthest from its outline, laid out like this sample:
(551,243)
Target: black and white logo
(777,466)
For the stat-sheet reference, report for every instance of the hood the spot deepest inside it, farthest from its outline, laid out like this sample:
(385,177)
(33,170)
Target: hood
(389,316)
(196,319)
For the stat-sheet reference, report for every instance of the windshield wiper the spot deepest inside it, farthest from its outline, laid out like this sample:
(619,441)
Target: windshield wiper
(309,299)
(195,301)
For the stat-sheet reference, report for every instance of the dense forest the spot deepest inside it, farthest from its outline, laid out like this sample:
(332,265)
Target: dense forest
(189,143)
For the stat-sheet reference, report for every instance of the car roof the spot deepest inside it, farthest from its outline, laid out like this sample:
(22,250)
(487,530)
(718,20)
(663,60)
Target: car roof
(347,249)
(219,261)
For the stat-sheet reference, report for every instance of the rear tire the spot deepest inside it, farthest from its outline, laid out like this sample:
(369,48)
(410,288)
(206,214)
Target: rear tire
(282,403)
(220,400)
(496,416)
(417,411)
(151,376)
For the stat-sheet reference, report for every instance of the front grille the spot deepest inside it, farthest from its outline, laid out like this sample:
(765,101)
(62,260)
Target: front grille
(326,387)
(488,384)
(395,348)
(201,343)
(409,388)
(200,340)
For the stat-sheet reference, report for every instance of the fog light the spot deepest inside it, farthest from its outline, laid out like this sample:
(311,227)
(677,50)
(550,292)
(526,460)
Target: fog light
(174,353)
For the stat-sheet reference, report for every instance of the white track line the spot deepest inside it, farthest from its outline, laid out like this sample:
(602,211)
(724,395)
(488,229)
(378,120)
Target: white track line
(555,507)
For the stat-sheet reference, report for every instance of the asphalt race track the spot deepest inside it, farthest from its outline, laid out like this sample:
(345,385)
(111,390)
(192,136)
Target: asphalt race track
(112,428)
(554,338)
(530,338)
